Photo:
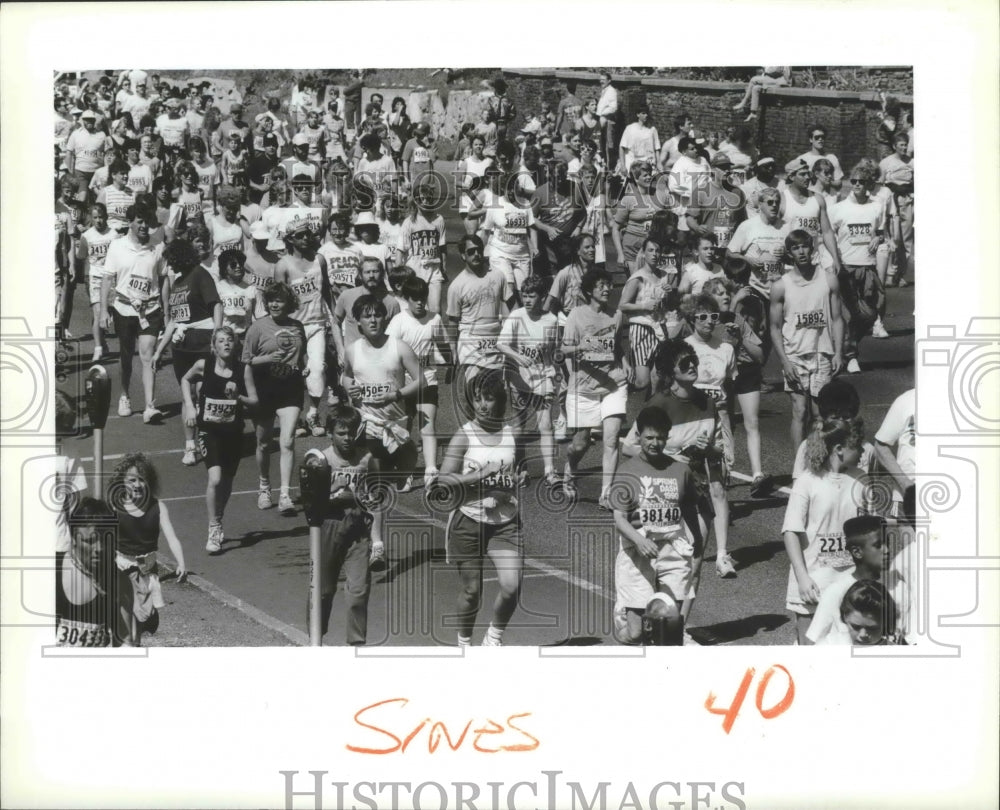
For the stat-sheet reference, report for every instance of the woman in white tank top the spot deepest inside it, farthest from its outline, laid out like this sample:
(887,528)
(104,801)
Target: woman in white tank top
(480,474)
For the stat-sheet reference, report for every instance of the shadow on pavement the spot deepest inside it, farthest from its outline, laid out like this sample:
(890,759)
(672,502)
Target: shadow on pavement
(748,555)
(577,641)
(725,632)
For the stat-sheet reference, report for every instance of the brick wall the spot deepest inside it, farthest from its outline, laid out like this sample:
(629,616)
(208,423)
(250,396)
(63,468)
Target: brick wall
(781,129)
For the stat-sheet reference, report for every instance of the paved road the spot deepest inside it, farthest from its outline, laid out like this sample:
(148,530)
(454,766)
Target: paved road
(568,587)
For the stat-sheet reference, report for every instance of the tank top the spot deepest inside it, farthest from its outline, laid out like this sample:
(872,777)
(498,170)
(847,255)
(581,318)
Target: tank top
(650,295)
(219,410)
(225,235)
(97,247)
(139,534)
(803,215)
(206,179)
(309,289)
(190,202)
(806,328)
(500,486)
(83,625)
(377,371)
(342,264)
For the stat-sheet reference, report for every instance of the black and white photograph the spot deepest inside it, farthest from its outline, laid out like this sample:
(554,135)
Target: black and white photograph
(355,364)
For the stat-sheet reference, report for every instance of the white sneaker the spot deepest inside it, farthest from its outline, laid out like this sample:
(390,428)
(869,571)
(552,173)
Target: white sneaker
(312,422)
(376,561)
(215,540)
(559,428)
(430,476)
(285,505)
(878,329)
(190,457)
(853,367)
(124,406)
(489,641)
(264,499)
(98,353)
(151,414)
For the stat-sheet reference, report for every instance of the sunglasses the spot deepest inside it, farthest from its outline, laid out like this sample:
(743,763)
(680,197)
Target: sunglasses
(701,317)
(472,252)
(819,137)
(854,181)
(688,364)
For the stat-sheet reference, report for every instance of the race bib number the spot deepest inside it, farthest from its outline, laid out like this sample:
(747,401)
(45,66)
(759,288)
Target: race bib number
(306,290)
(81,634)
(180,313)
(599,349)
(369,392)
(97,253)
(859,233)
(488,344)
(220,411)
(660,517)
(347,478)
(235,305)
(723,233)
(192,209)
(833,551)
(260,282)
(645,226)
(810,320)
(714,393)
(424,244)
(516,223)
(810,224)
(533,353)
(139,286)
(282,371)
(738,176)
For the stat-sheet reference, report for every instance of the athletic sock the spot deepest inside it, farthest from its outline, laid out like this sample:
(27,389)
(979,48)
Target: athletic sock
(494,633)
(263,483)
(464,641)
(189,444)
(284,491)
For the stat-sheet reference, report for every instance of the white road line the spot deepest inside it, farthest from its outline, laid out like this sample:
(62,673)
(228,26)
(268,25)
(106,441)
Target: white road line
(117,456)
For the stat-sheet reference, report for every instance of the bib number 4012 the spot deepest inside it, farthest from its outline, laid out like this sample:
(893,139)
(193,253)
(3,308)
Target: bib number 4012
(730,713)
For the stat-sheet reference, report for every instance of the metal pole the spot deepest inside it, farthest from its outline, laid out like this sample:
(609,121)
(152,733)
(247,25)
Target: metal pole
(97,392)
(314,485)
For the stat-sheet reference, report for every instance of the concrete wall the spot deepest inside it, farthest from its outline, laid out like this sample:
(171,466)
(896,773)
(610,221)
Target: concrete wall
(781,129)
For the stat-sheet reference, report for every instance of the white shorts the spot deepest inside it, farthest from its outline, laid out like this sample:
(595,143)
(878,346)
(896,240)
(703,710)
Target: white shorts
(479,350)
(94,284)
(590,410)
(515,271)
(637,577)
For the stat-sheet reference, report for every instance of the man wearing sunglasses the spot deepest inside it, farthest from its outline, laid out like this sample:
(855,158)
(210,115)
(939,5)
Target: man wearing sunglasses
(817,150)
(760,240)
(859,223)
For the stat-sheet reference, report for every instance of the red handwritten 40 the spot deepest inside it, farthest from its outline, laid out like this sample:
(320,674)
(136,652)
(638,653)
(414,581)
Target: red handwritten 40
(729,714)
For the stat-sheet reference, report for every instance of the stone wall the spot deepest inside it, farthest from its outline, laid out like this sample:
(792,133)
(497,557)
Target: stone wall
(781,129)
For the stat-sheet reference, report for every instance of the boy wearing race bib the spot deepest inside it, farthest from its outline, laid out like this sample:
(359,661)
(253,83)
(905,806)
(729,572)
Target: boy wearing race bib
(352,525)
(227,387)
(658,555)
(823,498)
(93,249)
(529,338)
(698,272)
(807,330)
(375,367)
(423,331)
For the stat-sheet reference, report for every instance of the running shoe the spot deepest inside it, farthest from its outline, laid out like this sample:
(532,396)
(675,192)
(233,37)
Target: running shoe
(124,406)
(552,478)
(760,486)
(98,353)
(191,457)
(264,499)
(407,485)
(376,561)
(853,367)
(312,422)
(903,283)
(559,428)
(489,641)
(430,476)
(151,414)
(604,502)
(878,329)
(301,430)
(725,567)
(569,488)
(285,505)
(215,539)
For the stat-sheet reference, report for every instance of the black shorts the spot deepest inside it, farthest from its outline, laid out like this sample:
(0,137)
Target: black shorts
(183,361)
(222,448)
(274,394)
(469,539)
(749,378)
(129,330)
(428,396)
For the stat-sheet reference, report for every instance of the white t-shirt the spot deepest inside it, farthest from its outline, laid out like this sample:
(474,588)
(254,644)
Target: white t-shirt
(172,130)
(754,237)
(899,429)
(642,143)
(699,275)
(811,158)
(509,226)
(716,365)
(827,627)
(69,475)
(419,337)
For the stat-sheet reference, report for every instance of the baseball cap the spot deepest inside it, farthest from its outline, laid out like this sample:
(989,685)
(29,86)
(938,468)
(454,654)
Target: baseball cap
(259,231)
(764,161)
(88,114)
(796,165)
(75,111)
(366,219)
(300,140)
(720,159)
(296,226)
(302,179)
(270,139)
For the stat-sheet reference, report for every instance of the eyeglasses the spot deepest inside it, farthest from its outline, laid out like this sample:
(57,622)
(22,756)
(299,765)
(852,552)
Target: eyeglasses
(701,317)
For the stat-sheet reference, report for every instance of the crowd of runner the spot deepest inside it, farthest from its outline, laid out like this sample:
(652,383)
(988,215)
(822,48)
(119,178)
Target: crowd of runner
(292,266)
